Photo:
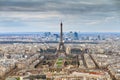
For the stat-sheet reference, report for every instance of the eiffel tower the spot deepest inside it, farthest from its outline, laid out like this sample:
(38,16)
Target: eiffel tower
(61,52)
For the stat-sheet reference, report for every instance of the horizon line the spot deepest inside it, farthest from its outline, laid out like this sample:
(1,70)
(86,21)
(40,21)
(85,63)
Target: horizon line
(56,32)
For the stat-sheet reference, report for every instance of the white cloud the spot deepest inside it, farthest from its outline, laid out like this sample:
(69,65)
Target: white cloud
(93,22)
(108,19)
(29,15)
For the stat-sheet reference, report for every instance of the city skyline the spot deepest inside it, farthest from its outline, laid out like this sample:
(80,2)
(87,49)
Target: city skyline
(45,15)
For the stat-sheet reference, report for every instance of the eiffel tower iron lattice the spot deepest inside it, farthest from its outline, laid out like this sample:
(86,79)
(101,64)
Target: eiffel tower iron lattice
(61,49)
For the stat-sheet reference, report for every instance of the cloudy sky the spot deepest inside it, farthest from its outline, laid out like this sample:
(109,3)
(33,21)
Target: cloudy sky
(46,15)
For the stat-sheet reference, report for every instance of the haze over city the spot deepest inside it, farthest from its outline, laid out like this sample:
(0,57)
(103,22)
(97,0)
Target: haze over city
(45,15)
(59,39)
